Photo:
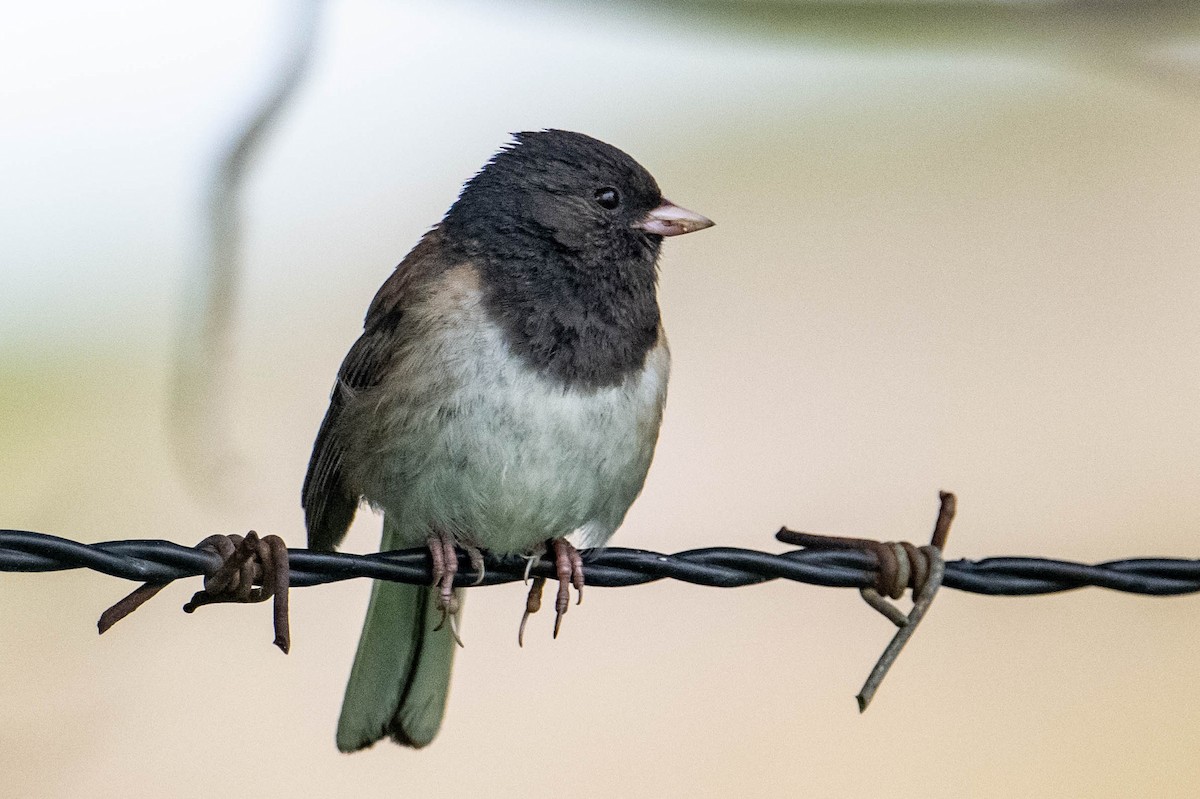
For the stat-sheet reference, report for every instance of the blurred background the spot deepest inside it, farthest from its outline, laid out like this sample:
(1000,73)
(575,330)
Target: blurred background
(956,249)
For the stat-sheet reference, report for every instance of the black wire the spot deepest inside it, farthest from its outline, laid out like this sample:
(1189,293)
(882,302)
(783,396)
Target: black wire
(720,567)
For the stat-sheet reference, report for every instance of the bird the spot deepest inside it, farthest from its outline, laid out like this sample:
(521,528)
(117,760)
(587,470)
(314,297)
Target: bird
(506,393)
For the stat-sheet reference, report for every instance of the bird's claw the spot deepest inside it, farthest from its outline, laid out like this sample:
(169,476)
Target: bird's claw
(533,603)
(568,567)
(476,563)
(450,613)
(445,567)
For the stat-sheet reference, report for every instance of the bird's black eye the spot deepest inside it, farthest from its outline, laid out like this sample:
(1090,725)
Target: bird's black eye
(608,197)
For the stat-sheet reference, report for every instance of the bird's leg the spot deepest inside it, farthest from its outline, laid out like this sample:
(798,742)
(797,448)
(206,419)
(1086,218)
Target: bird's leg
(445,566)
(568,567)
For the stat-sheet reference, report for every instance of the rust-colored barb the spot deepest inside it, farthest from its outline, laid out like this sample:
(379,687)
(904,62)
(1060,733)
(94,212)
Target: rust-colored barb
(251,569)
(901,566)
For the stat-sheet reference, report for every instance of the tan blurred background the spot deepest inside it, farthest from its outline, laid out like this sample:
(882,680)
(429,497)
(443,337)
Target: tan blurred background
(956,249)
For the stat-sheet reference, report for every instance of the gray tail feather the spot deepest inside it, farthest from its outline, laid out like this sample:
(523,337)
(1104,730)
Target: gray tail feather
(401,674)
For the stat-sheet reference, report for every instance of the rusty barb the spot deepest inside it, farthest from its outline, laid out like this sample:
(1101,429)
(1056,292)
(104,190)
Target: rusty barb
(900,566)
(245,563)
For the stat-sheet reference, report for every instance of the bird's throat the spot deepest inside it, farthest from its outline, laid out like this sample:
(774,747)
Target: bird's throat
(588,327)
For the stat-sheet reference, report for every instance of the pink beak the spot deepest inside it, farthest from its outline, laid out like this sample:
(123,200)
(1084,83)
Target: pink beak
(668,219)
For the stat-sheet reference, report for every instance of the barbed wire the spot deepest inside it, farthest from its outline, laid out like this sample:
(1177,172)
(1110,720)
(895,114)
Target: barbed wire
(252,569)
(146,560)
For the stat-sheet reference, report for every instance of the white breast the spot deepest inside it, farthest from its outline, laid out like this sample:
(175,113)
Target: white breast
(464,437)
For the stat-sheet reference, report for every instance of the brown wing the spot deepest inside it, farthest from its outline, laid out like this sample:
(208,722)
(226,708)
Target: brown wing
(329,504)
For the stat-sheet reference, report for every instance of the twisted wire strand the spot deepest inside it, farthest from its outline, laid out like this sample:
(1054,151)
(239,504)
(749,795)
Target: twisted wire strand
(719,567)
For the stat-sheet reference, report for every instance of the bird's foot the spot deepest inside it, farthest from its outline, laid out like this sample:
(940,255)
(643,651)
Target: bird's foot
(445,566)
(568,568)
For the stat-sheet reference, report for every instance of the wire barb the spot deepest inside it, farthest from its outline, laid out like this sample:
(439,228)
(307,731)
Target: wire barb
(900,566)
(131,602)
(244,562)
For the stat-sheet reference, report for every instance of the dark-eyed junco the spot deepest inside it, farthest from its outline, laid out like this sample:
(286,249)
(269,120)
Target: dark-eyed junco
(506,392)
